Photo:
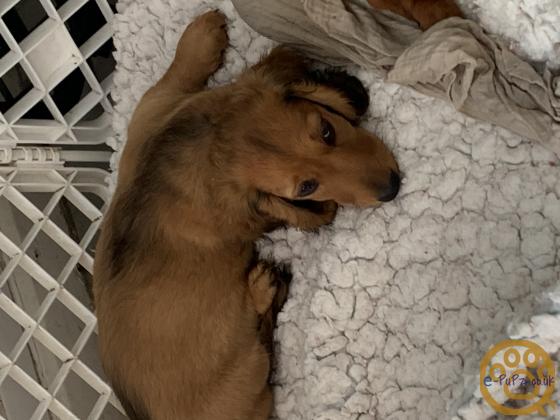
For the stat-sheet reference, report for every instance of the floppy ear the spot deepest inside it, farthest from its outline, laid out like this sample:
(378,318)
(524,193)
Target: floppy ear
(336,90)
(282,66)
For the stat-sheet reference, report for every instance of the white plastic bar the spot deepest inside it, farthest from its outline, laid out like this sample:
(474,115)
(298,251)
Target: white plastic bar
(70,7)
(48,55)
(6,5)
(71,184)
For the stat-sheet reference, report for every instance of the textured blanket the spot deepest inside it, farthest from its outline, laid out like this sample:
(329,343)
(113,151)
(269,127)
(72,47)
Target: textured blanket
(391,309)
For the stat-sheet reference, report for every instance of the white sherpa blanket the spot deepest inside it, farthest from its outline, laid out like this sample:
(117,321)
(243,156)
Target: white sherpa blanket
(391,309)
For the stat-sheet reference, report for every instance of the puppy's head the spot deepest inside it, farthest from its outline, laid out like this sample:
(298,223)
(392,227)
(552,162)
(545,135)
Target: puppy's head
(302,141)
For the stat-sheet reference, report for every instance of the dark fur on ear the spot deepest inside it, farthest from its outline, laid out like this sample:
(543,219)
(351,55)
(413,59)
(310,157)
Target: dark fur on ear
(334,89)
(283,66)
(349,86)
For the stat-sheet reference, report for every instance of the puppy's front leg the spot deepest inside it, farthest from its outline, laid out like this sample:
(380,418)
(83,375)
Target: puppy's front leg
(199,53)
(277,208)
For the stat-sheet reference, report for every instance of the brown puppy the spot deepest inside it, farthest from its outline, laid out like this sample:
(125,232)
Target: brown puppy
(425,12)
(185,310)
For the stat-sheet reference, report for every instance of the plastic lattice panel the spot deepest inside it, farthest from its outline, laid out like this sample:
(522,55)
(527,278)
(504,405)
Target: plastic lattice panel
(49,366)
(55,71)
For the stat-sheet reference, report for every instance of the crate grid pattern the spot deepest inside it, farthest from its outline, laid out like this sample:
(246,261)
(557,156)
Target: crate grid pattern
(43,52)
(48,55)
(68,183)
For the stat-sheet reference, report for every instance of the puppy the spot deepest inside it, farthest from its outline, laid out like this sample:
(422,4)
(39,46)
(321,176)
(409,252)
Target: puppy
(185,308)
(425,12)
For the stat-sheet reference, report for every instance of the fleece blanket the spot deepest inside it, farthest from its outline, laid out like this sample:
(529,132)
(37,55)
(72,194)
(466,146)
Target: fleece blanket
(454,59)
(391,309)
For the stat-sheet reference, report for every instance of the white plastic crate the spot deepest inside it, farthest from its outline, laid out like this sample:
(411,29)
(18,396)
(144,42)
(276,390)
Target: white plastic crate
(48,354)
(49,213)
(45,58)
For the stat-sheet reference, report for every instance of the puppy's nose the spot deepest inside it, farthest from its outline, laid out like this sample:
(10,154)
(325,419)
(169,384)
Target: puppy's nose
(391,191)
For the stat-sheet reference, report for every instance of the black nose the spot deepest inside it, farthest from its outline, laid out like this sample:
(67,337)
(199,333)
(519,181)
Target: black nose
(391,191)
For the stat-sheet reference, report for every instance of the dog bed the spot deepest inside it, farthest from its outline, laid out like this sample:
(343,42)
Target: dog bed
(391,309)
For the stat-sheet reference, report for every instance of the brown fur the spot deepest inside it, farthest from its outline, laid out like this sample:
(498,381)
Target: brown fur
(186,311)
(425,12)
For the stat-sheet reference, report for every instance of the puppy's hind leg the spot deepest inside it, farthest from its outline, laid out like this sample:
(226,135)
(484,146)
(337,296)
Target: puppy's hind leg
(281,278)
(199,53)
(264,405)
(268,288)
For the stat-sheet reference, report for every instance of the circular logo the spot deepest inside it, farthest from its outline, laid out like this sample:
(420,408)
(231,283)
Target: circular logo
(517,377)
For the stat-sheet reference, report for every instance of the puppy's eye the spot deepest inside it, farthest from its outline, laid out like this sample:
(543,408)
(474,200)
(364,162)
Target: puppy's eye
(327,133)
(307,188)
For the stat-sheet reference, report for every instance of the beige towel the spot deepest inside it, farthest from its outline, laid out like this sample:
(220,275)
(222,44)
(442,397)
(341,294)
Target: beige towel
(453,60)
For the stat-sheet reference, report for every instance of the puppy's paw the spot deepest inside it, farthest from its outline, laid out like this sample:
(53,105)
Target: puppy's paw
(263,286)
(283,278)
(329,212)
(203,43)
(302,214)
(323,214)
(268,286)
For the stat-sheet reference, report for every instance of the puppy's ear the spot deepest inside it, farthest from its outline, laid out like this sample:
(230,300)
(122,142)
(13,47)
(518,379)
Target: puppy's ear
(335,90)
(289,71)
(282,66)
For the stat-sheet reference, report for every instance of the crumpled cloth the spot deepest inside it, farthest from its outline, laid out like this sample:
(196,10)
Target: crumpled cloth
(453,60)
